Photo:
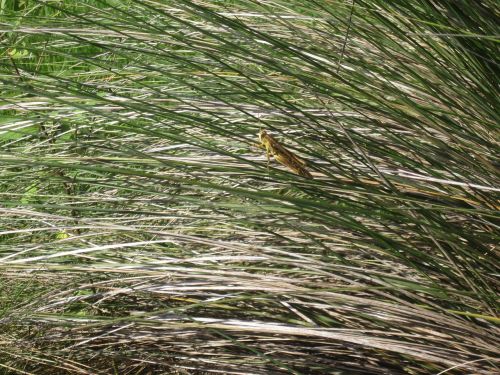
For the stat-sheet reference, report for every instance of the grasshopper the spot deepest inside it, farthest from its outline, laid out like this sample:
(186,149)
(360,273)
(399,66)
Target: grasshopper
(282,155)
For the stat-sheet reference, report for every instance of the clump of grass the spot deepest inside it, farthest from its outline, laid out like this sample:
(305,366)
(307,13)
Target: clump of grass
(143,232)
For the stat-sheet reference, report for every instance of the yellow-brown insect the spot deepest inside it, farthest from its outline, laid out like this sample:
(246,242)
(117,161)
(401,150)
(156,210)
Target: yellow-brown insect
(282,155)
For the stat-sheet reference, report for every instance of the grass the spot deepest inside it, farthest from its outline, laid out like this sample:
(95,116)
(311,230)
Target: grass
(142,232)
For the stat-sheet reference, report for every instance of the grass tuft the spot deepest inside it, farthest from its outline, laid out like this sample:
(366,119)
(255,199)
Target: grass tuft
(142,232)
